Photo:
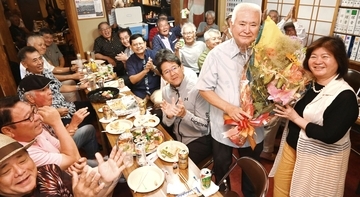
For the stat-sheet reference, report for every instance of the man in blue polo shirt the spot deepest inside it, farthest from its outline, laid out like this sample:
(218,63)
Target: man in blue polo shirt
(142,71)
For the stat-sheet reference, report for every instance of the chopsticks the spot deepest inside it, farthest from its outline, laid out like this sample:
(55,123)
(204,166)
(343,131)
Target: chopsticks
(141,181)
(183,180)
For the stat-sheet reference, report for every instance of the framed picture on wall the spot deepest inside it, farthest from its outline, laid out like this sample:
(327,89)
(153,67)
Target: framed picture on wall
(89,9)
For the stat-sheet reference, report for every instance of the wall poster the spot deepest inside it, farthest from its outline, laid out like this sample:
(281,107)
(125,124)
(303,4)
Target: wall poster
(89,9)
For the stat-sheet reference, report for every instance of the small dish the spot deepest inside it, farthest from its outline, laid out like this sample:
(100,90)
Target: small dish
(99,61)
(118,126)
(146,121)
(172,147)
(146,179)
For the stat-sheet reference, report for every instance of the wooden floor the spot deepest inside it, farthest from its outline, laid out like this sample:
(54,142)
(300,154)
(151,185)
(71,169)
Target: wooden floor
(351,185)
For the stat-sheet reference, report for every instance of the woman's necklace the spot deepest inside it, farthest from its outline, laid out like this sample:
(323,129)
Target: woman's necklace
(313,87)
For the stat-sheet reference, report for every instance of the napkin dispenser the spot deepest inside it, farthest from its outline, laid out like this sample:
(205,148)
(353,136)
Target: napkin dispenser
(131,17)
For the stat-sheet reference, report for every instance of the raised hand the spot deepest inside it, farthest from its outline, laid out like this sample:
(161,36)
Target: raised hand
(181,112)
(112,168)
(79,116)
(170,109)
(49,115)
(78,166)
(87,185)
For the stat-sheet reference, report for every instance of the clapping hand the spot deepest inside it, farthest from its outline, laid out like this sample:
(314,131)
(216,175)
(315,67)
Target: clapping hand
(181,110)
(78,166)
(170,109)
(87,185)
(112,168)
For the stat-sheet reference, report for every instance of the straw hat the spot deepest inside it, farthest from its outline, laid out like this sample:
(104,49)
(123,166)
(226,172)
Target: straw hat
(9,147)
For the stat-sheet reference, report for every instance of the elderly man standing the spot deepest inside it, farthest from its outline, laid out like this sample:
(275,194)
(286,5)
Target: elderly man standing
(204,26)
(107,46)
(219,85)
(142,71)
(37,92)
(183,106)
(212,39)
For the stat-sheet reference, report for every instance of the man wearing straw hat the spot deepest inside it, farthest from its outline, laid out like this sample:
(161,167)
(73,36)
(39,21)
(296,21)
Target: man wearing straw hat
(20,177)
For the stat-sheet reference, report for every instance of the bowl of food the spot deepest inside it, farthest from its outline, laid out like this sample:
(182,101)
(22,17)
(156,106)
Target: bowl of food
(101,95)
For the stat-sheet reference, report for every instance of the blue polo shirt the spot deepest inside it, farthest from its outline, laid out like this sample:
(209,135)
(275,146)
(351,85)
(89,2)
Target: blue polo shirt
(148,84)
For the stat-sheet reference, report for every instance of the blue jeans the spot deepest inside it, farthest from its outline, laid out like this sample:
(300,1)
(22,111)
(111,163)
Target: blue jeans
(85,139)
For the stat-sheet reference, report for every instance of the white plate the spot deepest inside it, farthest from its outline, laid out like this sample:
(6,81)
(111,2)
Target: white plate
(75,61)
(171,145)
(102,120)
(152,177)
(146,121)
(99,61)
(118,126)
(127,103)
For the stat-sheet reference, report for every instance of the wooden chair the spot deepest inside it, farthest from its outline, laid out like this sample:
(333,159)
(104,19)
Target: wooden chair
(352,78)
(256,173)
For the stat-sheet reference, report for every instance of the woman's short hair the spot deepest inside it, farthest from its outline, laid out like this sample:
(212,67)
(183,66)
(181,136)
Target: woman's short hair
(210,13)
(335,46)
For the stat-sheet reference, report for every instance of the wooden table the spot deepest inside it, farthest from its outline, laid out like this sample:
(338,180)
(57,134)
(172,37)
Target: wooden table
(189,173)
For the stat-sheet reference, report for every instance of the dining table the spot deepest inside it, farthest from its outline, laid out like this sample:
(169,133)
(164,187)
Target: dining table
(191,174)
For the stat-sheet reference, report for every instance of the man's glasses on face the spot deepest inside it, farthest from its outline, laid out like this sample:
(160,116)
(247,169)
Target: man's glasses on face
(105,29)
(172,69)
(187,33)
(34,111)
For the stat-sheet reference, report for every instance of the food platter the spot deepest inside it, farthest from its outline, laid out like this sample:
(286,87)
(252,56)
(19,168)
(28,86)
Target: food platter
(119,126)
(124,105)
(168,151)
(152,137)
(146,179)
(101,95)
(146,121)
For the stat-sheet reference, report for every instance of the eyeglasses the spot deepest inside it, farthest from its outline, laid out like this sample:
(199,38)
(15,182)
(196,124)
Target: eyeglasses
(34,111)
(172,69)
(187,33)
(104,29)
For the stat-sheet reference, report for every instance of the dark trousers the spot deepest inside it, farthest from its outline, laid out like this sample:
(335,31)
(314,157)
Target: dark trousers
(222,155)
(200,149)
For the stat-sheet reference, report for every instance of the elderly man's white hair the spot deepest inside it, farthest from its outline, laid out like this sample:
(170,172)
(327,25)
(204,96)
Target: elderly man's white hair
(207,34)
(31,39)
(244,7)
(188,25)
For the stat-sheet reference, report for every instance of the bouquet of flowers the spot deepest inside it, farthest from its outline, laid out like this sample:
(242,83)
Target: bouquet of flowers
(273,74)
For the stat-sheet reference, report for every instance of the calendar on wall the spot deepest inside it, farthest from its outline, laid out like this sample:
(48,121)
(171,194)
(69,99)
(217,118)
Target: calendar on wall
(230,5)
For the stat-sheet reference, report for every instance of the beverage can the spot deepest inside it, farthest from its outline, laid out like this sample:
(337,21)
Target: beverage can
(121,83)
(183,159)
(205,178)
(107,112)
(140,153)
(182,42)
